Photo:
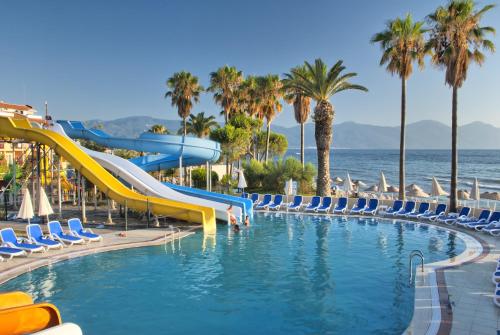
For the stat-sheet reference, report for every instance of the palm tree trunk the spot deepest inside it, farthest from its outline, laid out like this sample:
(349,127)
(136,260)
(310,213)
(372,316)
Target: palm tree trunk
(402,141)
(454,153)
(302,144)
(185,126)
(226,115)
(323,118)
(268,135)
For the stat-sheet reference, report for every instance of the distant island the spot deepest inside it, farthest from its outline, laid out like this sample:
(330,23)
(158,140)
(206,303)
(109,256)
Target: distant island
(425,134)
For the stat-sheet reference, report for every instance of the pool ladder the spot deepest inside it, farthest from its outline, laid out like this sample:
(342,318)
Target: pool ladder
(419,254)
(173,230)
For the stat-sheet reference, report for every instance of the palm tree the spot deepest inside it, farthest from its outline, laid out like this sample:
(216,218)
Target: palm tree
(301,104)
(270,91)
(225,83)
(320,84)
(200,125)
(158,129)
(402,43)
(184,90)
(457,40)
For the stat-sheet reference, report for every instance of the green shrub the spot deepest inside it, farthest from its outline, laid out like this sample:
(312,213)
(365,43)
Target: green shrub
(254,172)
(199,177)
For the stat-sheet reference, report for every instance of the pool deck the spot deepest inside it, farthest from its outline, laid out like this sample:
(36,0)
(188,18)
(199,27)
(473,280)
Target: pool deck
(111,241)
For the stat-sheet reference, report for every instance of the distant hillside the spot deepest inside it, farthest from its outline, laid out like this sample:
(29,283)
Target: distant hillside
(420,135)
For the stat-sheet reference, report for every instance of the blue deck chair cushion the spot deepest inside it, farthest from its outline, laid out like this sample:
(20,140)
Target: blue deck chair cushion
(35,232)
(9,236)
(75,226)
(56,229)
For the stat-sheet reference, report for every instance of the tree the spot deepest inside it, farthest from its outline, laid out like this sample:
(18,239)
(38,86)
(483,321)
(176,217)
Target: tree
(184,91)
(234,142)
(224,83)
(402,43)
(158,129)
(301,104)
(457,40)
(270,91)
(320,84)
(278,144)
(199,125)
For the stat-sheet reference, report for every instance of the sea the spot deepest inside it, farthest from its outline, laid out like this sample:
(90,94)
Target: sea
(421,166)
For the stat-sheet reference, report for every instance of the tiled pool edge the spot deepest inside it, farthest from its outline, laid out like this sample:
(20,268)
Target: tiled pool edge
(37,263)
(431,293)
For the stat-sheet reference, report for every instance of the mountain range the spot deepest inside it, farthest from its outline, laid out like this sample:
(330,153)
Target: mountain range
(425,134)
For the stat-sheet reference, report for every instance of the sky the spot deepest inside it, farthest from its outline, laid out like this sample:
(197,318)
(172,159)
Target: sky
(110,59)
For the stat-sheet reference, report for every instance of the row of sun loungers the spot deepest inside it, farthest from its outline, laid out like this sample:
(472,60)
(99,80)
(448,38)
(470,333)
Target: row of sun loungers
(12,246)
(487,221)
(317,204)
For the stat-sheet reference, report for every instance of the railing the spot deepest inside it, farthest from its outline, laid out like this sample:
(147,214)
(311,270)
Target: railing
(419,254)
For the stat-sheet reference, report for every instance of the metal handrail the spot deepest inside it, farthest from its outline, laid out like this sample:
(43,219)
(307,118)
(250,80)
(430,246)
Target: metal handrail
(417,253)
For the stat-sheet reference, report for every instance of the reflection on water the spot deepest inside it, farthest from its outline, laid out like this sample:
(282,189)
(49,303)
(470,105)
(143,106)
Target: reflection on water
(286,274)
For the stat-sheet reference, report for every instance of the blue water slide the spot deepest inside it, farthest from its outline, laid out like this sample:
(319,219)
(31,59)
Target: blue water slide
(194,151)
(245,204)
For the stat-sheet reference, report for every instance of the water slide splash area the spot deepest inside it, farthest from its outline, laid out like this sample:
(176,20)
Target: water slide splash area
(194,151)
(105,181)
(147,184)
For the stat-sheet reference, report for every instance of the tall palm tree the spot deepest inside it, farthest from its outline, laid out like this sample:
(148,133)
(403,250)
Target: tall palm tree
(200,125)
(320,84)
(224,83)
(184,91)
(402,43)
(301,103)
(270,92)
(158,129)
(457,40)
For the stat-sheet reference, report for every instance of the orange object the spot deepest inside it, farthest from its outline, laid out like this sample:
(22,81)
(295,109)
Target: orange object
(28,319)
(14,299)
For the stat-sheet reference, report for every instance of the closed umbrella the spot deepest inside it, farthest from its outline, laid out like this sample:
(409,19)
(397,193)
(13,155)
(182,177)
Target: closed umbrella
(382,184)
(242,183)
(44,208)
(348,184)
(436,189)
(474,192)
(26,209)
(288,190)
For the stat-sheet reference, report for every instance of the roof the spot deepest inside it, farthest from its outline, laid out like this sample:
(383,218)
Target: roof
(15,107)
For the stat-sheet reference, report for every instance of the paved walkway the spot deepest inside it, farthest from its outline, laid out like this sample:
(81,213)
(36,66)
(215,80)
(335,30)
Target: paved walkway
(111,241)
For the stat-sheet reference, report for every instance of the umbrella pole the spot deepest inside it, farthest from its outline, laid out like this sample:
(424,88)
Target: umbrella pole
(84,216)
(59,195)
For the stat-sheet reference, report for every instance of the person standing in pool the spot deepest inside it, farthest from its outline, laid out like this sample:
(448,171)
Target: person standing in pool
(247,221)
(232,218)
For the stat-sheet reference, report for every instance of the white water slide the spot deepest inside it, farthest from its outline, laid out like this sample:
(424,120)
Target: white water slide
(144,183)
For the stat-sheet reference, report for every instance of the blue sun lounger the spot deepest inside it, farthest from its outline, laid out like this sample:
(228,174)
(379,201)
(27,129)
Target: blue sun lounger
(277,202)
(451,218)
(422,209)
(326,204)
(492,223)
(341,206)
(432,215)
(296,204)
(483,218)
(57,233)
(254,197)
(10,239)
(409,209)
(244,195)
(396,207)
(359,207)
(35,236)
(372,207)
(265,202)
(10,253)
(76,229)
(314,204)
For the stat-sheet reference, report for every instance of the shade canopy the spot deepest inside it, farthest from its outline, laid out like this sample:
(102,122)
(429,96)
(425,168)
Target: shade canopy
(491,196)
(382,184)
(373,188)
(413,187)
(436,189)
(26,209)
(417,193)
(338,180)
(463,195)
(44,207)
(392,189)
(474,192)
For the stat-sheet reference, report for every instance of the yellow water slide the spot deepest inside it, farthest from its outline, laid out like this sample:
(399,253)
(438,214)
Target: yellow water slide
(95,173)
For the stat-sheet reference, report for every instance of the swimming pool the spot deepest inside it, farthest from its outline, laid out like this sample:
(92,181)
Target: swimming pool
(287,274)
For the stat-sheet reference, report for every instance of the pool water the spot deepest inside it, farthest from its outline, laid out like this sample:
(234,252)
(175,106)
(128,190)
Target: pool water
(286,274)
